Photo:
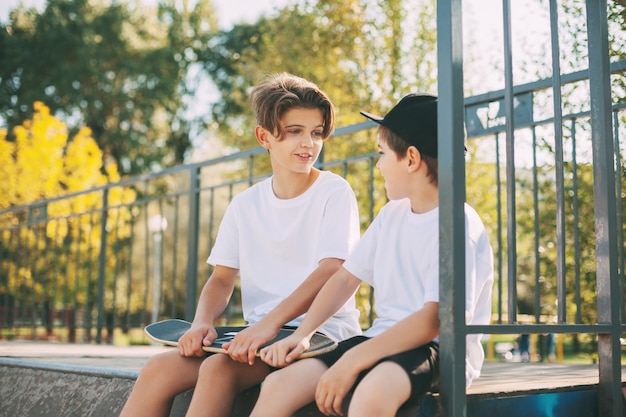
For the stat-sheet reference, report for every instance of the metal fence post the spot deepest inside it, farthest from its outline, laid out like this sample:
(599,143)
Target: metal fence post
(610,400)
(192,244)
(451,208)
(102,265)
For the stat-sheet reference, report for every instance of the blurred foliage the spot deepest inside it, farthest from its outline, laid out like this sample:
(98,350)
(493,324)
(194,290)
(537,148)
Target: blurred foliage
(359,52)
(40,163)
(115,67)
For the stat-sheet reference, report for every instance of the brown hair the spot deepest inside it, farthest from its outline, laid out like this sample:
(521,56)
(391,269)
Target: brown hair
(282,92)
(400,147)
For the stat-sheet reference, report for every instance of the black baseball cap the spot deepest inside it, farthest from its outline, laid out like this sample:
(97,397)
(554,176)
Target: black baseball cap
(414,119)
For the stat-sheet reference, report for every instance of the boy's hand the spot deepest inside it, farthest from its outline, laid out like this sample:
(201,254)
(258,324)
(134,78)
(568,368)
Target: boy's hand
(190,344)
(285,351)
(334,385)
(244,346)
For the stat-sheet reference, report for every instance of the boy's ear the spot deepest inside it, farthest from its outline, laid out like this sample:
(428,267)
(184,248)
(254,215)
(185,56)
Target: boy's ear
(414,158)
(261,136)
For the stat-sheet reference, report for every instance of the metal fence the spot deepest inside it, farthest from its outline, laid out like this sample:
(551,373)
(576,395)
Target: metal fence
(607,170)
(81,266)
(92,265)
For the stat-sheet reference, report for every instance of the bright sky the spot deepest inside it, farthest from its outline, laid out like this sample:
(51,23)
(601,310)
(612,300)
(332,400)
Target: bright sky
(230,11)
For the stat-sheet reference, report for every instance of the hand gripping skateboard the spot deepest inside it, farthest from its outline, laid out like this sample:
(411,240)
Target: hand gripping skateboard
(167,332)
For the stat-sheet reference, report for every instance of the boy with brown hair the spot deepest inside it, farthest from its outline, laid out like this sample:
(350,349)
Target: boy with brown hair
(396,360)
(284,237)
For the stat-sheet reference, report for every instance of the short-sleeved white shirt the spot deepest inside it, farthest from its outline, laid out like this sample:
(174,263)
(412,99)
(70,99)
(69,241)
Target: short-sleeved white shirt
(277,243)
(399,257)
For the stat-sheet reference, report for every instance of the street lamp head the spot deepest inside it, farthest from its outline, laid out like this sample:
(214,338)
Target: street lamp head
(157,223)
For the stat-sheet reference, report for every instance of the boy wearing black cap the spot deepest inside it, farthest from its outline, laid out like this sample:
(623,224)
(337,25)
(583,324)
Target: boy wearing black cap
(396,360)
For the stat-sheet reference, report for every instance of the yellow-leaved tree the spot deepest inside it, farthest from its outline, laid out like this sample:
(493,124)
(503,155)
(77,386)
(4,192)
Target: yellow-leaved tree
(51,206)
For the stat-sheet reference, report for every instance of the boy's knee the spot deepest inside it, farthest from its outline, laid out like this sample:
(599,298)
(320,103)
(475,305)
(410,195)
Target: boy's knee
(214,363)
(272,382)
(154,365)
(386,383)
(370,400)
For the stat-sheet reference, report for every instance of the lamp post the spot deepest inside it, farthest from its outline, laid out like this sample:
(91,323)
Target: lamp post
(157,225)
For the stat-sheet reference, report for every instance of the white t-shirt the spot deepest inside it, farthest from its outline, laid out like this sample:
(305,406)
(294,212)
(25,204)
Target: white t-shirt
(399,257)
(276,244)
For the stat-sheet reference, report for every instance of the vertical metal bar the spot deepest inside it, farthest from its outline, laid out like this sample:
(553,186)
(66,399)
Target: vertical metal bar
(77,273)
(536,230)
(146,265)
(211,216)
(370,191)
(14,243)
(47,307)
(452,327)
(499,227)
(4,275)
(66,279)
(19,294)
(102,263)
(88,293)
(19,291)
(175,256)
(32,265)
(192,244)
(129,272)
(116,274)
(558,156)
(510,165)
(211,234)
(9,303)
(157,264)
(577,296)
(610,400)
(56,264)
(618,209)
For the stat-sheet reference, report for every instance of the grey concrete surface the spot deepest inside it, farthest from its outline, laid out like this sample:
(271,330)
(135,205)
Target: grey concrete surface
(60,379)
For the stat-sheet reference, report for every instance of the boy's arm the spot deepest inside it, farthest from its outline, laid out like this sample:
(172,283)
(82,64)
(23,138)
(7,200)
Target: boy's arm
(415,330)
(339,288)
(211,304)
(301,299)
(244,347)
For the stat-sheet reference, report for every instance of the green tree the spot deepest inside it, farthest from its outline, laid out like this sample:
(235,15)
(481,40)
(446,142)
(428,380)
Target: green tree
(358,51)
(118,68)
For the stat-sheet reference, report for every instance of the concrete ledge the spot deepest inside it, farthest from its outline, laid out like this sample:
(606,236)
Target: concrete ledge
(34,389)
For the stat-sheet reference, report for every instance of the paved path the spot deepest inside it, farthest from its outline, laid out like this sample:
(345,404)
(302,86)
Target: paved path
(496,376)
(92,355)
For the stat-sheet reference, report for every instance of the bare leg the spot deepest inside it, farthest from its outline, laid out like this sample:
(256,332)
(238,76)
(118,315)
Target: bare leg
(381,392)
(160,380)
(220,379)
(287,390)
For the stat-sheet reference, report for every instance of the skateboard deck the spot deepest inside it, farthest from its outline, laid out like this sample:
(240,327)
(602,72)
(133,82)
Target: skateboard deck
(167,332)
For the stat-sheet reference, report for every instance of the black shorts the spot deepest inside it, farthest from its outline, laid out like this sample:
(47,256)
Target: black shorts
(421,364)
